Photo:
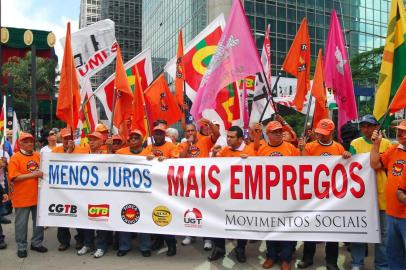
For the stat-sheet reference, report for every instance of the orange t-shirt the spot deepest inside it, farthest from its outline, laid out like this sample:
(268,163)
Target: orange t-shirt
(168,150)
(284,149)
(23,193)
(126,151)
(226,151)
(314,148)
(394,161)
(199,150)
(77,150)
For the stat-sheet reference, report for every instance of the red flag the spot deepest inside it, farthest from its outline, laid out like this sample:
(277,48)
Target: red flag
(399,100)
(297,63)
(180,72)
(319,91)
(160,102)
(138,115)
(124,95)
(67,108)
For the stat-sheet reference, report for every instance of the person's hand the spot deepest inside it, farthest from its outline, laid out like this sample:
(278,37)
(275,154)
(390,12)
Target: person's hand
(346,155)
(244,156)
(216,149)
(301,143)
(257,130)
(161,158)
(109,141)
(71,146)
(38,174)
(150,157)
(376,137)
(5,198)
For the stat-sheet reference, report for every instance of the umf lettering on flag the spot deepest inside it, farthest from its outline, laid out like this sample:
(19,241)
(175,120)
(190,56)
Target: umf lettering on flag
(197,56)
(105,91)
(236,57)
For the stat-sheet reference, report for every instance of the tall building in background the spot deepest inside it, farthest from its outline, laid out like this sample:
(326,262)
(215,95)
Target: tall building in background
(363,21)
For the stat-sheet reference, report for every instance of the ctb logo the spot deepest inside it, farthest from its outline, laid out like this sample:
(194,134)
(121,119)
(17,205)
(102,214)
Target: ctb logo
(193,218)
(98,211)
(69,210)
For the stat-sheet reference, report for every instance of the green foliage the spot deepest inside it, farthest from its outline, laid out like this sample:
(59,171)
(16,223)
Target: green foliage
(18,68)
(365,67)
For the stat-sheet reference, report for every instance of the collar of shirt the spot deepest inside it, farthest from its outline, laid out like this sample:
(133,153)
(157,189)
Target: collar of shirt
(240,148)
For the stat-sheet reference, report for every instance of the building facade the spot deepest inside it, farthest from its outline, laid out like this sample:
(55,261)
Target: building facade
(363,21)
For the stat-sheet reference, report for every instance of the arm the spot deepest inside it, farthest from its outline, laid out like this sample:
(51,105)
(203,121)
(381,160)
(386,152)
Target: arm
(375,159)
(401,195)
(257,132)
(26,176)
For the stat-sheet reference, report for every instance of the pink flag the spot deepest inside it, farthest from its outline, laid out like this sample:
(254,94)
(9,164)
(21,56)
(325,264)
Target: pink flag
(236,57)
(244,101)
(266,55)
(337,73)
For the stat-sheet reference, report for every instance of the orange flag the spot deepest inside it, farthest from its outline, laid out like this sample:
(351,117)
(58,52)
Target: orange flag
(180,71)
(319,91)
(138,115)
(68,106)
(160,102)
(124,95)
(399,100)
(297,63)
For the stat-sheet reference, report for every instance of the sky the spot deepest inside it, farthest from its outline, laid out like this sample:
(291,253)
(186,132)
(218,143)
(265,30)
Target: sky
(49,15)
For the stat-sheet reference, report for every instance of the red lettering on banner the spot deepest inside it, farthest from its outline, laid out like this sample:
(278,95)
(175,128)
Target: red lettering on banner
(114,47)
(235,181)
(175,183)
(214,181)
(360,193)
(271,182)
(192,183)
(253,182)
(203,179)
(334,186)
(289,182)
(325,184)
(303,181)
(97,60)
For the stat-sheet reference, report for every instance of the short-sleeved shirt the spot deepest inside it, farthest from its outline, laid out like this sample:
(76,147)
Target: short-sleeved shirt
(168,150)
(127,151)
(363,145)
(200,149)
(315,148)
(284,149)
(394,161)
(77,150)
(227,151)
(23,193)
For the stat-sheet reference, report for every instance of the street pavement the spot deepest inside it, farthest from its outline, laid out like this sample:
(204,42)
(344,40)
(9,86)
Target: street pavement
(188,257)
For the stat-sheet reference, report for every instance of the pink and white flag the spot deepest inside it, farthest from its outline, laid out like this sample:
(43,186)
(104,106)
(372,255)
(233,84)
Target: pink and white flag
(337,73)
(236,57)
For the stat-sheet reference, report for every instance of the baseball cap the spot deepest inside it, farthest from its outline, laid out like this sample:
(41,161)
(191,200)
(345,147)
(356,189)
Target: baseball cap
(25,135)
(160,127)
(136,131)
(96,135)
(369,119)
(65,132)
(325,127)
(101,128)
(117,137)
(402,125)
(273,125)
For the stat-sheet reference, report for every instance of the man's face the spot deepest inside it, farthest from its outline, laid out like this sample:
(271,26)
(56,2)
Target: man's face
(105,135)
(135,141)
(190,131)
(159,136)
(205,129)
(95,143)
(51,139)
(401,136)
(27,145)
(116,145)
(275,136)
(65,141)
(232,140)
(367,129)
(9,136)
(326,139)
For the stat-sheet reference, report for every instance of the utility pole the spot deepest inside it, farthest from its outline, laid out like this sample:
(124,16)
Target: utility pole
(34,113)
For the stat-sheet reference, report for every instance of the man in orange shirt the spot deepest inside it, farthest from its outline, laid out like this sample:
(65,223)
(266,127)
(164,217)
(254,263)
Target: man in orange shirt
(276,146)
(235,148)
(323,146)
(23,182)
(393,160)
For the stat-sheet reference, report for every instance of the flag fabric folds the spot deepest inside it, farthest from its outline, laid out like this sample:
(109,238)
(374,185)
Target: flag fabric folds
(319,92)
(138,114)
(16,133)
(297,63)
(124,95)
(68,105)
(236,57)
(393,66)
(180,71)
(399,100)
(337,73)
(161,104)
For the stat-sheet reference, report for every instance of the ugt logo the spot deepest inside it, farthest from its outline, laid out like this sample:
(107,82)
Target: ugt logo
(193,218)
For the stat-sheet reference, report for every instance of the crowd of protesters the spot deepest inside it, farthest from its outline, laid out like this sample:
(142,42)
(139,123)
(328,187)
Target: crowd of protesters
(19,176)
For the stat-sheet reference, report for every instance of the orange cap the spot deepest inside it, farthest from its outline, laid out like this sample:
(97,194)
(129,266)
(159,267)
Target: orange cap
(25,135)
(117,137)
(325,127)
(273,125)
(160,127)
(101,128)
(136,131)
(96,135)
(65,132)
(402,125)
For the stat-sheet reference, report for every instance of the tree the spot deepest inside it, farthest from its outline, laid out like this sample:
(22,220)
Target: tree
(18,68)
(365,67)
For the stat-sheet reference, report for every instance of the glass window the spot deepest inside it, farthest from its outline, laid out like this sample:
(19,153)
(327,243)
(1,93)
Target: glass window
(291,28)
(300,15)
(260,23)
(249,7)
(281,44)
(270,10)
(252,21)
(260,9)
(291,14)
(281,13)
(281,27)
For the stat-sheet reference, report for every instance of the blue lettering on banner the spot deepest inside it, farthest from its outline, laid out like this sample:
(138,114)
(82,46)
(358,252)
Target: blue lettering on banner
(128,177)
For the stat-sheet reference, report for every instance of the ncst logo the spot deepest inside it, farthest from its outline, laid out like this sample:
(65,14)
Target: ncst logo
(98,211)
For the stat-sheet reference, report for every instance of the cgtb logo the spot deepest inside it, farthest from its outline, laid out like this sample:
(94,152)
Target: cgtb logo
(68,210)
(193,218)
(98,211)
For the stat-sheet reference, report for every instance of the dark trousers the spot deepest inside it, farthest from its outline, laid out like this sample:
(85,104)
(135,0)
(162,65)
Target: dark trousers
(331,250)
(220,243)
(64,236)
(280,250)
(170,240)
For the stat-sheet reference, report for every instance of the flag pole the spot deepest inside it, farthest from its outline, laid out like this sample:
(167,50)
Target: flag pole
(4,124)
(270,96)
(112,113)
(308,114)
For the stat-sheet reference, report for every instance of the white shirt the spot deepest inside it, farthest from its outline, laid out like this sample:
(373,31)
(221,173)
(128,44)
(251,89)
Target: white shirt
(2,178)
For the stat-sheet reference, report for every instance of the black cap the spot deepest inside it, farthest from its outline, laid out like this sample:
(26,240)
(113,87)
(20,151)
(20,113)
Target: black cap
(369,119)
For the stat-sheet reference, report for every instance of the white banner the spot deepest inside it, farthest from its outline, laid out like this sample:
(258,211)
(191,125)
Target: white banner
(278,198)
